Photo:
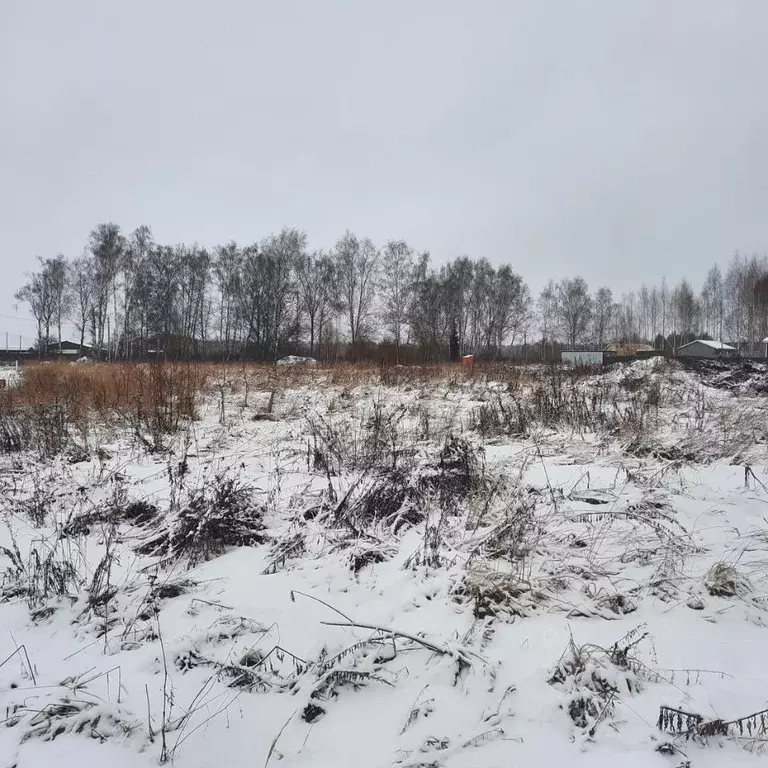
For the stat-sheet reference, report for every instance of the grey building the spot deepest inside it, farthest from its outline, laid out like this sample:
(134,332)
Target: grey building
(706,348)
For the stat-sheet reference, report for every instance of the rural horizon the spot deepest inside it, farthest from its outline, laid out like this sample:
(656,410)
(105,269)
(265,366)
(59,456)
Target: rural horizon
(383,385)
(129,295)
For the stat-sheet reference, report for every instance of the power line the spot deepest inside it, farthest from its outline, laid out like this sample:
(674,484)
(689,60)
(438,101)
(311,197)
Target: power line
(12,340)
(17,329)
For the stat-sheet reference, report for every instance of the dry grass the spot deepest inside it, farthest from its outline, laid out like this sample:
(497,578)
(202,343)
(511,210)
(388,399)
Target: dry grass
(157,398)
(101,388)
(243,377)
(152,398)
(59,401)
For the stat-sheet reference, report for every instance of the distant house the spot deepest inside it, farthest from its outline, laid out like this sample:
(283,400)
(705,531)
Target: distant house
(627,349)
(69,349)
(706,348)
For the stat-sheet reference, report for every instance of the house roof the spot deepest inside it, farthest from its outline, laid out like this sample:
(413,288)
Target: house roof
(67,347)
(618,346)
(708,343)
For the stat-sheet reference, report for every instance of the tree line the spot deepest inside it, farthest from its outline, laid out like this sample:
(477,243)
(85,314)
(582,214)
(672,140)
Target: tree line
(730,307)
(129,297)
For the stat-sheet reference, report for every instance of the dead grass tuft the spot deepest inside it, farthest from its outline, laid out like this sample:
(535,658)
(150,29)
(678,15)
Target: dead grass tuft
(724,580)
(219,515)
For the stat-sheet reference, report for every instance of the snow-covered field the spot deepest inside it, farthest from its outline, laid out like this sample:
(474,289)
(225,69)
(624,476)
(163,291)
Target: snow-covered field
(461,572)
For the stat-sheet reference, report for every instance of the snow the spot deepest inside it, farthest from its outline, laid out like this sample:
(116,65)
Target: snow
(296,360)
(11,375)
(615,532)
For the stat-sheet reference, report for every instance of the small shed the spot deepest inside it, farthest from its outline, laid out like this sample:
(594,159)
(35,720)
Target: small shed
(706,348)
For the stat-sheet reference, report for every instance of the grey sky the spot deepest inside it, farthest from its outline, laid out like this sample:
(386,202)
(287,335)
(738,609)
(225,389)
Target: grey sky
(618,140)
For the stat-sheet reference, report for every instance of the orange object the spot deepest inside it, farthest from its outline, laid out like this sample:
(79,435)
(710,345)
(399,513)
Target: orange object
(468,361)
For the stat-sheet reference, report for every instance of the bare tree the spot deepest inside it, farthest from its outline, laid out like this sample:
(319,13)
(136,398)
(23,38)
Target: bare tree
(546,309)
(643,312)
(653,313)
(195,267)
(163,271)
(56,275)
(573,309)
(267,309)
(36,292)
(429,317)
(511,302)
(479,307)
(461,295)
(46,294)
(601,316)
(283,251)
(686,311)
(226,268)
(627,316)
(133,264)
(81,285)
(314,280)
(397,288)
(106,245)
(356,264)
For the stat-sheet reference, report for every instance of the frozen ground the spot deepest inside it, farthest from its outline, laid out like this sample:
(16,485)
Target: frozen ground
(455,573)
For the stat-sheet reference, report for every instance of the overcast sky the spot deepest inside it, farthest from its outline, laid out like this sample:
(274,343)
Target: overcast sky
(618,140)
